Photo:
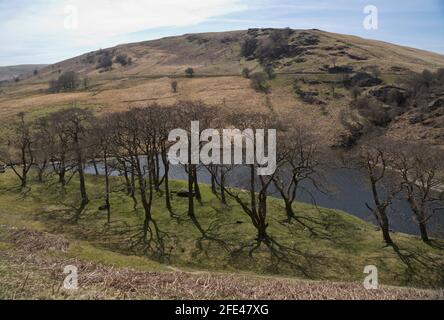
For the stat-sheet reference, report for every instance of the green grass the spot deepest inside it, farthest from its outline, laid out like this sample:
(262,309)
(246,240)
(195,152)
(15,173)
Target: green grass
(4,246)
(339,251)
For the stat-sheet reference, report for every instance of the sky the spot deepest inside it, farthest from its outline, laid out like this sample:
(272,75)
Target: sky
(48,31)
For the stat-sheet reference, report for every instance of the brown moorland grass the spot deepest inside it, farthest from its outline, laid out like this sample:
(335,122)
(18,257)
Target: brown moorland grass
(32,264)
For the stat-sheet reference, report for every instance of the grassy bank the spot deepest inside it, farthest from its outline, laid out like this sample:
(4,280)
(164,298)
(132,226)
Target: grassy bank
(337,247)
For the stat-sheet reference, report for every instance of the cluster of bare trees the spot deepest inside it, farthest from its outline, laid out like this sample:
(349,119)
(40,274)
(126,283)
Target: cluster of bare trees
(135,144)
(408,171)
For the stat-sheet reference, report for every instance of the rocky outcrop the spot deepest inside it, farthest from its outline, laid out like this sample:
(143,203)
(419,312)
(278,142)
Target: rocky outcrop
(363,79)
(390,95)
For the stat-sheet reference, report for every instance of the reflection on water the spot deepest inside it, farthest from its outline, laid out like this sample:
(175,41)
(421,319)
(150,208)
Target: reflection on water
(346,190)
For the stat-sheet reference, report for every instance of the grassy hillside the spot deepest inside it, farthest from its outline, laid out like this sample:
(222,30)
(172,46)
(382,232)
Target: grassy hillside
(337,247)
(218,62)
(220,54)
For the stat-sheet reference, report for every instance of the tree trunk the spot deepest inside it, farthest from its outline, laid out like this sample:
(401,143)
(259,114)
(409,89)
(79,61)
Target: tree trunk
(191,212)
(24,181)
(423,230)
(62,171)
(146,204)
(107,203)
(223,197)
(132,186)
(127,181)
(385,228)
(80,169)
(289,210)
(262,216)
(41,171)
(213,180)
(166,166)
(196,185)
(157,172)
(96,169)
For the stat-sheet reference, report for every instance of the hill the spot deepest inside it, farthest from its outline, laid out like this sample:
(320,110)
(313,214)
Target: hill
(11,72)
(220,54)
(310,66)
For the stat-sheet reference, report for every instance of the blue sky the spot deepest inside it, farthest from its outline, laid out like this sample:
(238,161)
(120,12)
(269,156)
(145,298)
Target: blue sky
(47,31)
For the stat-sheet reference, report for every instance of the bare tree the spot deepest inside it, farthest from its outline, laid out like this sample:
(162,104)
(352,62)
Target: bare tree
(187,112)
(19,154)
(77,124)
(377,161)
(60,145)
(255,205)
(174,86)
(102,133)
(418,168)
(298,159)
(135,142)
(43,147)
(166,122)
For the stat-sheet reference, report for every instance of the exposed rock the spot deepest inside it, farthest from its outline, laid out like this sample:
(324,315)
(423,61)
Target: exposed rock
(358,58)
(416,118)
(363,79)
(390,95)
(183,194)
(340,69)
(310,97)
(307,39)
(436,104)
(295,50)
(397,69)
(349,138)
(313,82)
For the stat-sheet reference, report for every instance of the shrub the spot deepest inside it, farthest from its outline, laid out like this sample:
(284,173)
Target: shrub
(373,111)
(270,71)
(68,81)
(249,46)
(174,86)
(259,82)
(105,62)
(189,72)
(355,92)
(123,59)
(246,73)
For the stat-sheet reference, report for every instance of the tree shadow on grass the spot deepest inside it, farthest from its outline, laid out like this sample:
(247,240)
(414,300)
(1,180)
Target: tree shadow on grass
(422,268)
(305,263)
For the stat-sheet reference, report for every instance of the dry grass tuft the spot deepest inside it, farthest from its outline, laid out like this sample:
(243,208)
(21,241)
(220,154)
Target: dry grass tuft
(42,273)
(32,240)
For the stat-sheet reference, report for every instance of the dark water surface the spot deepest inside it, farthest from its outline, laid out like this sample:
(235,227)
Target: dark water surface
(346,190)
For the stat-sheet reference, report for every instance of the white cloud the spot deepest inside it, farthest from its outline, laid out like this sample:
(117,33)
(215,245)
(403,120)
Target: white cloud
(39,23)
(108,18)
